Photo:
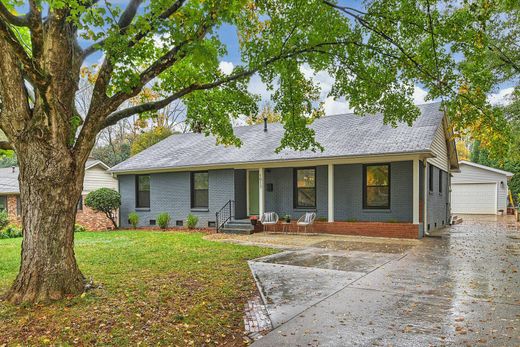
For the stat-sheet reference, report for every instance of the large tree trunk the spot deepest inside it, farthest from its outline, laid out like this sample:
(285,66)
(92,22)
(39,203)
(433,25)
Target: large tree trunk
(50,186)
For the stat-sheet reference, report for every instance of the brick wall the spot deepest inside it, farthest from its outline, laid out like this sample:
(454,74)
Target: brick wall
(11,209)
(348,194)
(377,229)
(171,192)
(438,202)
(87,217)
(92,220)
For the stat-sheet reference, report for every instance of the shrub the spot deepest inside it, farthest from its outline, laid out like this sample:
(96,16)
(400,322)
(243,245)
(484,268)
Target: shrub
(4,219)
(192,221)
(105,200)
(163,219)
(11,232)
(78,228)
(133,218)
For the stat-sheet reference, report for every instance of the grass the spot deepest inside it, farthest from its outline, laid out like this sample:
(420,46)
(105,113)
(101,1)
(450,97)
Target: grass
(157,289)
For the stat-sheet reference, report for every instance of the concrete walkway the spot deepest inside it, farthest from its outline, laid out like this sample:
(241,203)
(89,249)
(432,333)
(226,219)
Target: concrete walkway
(461,289)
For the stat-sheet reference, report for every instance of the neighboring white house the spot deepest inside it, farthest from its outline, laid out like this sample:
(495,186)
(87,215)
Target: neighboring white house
(96,176)
(479,189)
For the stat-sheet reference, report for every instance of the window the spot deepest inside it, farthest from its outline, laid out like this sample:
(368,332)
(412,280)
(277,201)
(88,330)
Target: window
(440,181)
(142,198)
(430,178)
(80,203)
(376,186)
(18,206)
(3,203)
(305,188)
(200,189)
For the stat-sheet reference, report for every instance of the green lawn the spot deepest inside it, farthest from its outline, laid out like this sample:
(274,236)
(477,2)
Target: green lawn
(159,288)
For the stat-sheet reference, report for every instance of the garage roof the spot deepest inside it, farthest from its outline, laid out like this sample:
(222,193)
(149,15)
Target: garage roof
(484,167)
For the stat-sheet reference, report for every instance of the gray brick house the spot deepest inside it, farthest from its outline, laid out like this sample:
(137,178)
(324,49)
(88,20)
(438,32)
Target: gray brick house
(371,178)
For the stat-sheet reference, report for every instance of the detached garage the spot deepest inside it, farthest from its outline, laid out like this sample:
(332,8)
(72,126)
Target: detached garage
(479,189)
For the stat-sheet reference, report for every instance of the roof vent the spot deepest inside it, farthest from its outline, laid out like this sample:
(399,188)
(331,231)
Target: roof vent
(265,123)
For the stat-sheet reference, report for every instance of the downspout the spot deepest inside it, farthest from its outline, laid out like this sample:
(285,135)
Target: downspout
(425,196)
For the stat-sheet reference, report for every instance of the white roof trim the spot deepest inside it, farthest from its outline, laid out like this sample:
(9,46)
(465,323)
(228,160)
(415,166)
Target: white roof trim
(484,167)
(96,163)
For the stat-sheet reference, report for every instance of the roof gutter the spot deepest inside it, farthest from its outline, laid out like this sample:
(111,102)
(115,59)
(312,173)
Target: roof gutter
(283,162)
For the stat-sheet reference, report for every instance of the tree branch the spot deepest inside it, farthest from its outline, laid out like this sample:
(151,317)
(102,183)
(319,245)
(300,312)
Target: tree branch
(6,146)
(157,105)
(440,84)
(19,21)
(126,20)
(502,56)
(36,27)
(32,73)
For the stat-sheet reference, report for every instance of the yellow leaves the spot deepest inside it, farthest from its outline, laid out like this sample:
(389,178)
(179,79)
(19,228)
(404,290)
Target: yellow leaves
(463,89)
(90,73)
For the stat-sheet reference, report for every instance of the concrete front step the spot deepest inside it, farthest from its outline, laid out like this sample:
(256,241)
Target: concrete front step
(228,230)
(455,220)
(238,226)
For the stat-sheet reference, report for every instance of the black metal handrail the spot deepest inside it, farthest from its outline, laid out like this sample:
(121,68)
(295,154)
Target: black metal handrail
(225,214)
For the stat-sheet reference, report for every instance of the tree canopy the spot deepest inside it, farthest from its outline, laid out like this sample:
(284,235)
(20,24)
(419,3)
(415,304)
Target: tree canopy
(376,55)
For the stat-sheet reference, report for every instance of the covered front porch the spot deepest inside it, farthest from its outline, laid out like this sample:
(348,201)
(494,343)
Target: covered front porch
(372,196)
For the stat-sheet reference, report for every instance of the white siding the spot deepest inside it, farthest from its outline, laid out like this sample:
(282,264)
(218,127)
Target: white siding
(97,177)
(471,174)
(440,149)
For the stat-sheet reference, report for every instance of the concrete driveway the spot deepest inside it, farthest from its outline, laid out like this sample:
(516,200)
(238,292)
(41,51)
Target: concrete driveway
(461,289)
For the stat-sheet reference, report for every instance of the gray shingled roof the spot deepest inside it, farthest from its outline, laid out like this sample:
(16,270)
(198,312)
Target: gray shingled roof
(341,135)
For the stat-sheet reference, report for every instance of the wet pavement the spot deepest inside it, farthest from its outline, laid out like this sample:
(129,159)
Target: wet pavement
(460,289)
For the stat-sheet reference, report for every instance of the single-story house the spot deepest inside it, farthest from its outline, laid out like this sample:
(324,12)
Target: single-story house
(479,189)
(371,179)
(96,176)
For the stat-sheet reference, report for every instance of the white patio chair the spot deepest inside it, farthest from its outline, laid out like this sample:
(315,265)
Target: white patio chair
(269,218)
(306,220)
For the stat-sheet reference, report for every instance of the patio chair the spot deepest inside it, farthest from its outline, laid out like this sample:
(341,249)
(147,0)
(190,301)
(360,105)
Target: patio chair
(269,218)
(306,220)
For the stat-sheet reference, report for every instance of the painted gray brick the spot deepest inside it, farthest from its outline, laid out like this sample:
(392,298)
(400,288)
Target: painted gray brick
(438,202)
(170,192)
(348,193)
(281,199)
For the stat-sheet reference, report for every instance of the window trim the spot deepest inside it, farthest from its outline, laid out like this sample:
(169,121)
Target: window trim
(137,202)
(365,186)
(295,188)
(192,192)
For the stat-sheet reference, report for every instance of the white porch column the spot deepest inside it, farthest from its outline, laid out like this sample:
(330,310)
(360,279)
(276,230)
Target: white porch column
(426,193)
(330,192)
(416,191)
(261,191)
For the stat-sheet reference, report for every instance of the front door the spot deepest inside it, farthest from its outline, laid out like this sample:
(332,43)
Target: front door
(253,192)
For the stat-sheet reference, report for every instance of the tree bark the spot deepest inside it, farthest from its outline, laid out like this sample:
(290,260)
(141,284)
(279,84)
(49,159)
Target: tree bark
(50,186)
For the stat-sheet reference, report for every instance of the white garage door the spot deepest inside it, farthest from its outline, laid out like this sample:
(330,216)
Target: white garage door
(474,198)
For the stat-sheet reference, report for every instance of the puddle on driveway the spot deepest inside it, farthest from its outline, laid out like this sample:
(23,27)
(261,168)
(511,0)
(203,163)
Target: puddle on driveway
(323,261)
(363,246)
